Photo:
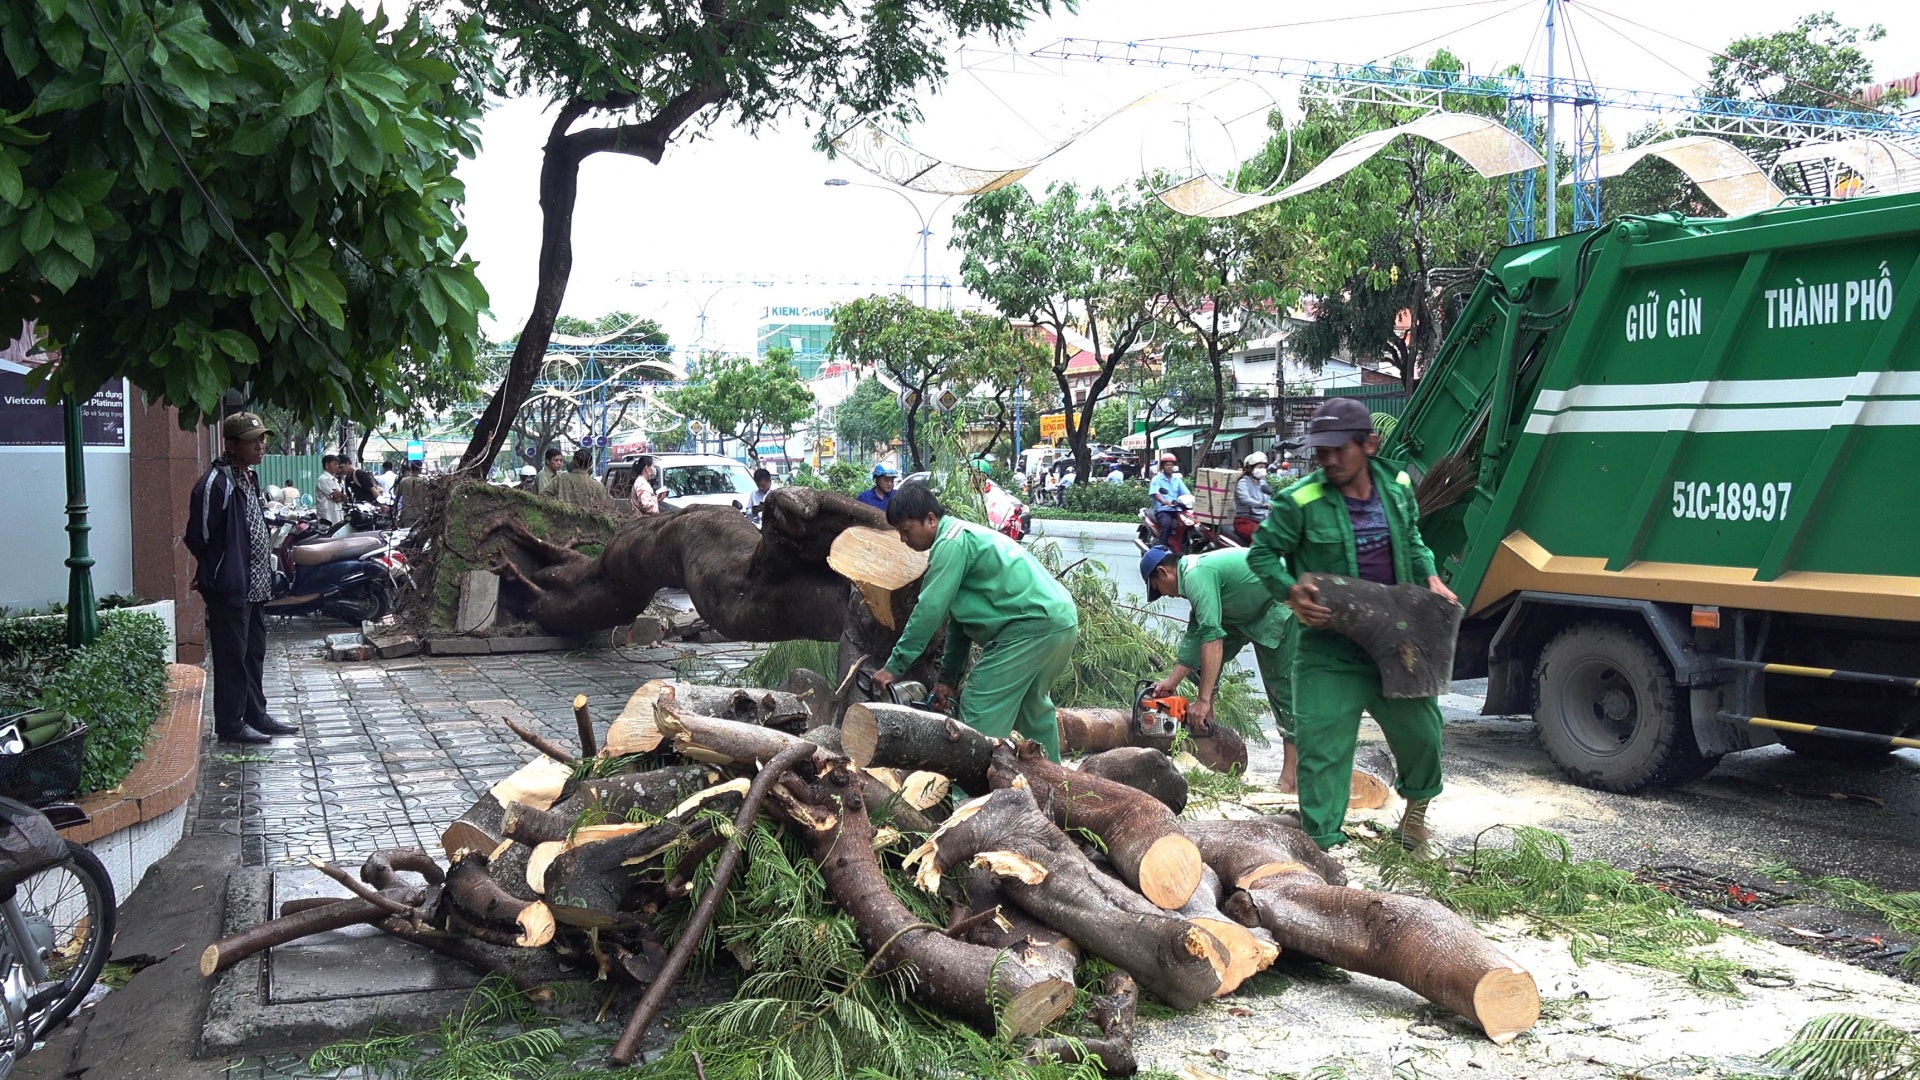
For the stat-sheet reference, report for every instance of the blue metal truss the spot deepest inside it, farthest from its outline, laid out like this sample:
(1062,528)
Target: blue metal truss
(1520,185)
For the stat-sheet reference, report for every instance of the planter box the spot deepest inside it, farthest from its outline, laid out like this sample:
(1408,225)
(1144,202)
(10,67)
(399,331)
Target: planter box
(137,824)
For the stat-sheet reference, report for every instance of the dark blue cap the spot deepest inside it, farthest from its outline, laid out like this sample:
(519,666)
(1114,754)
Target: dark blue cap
(1150,562)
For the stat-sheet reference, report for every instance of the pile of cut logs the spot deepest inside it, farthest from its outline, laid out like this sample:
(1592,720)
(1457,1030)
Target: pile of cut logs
(569,861)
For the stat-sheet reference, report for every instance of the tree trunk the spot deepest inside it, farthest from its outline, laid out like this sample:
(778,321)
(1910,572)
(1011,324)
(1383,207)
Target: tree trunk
(1249,950)
(1406,939)
(1092,730)
(1141,768)
(473,901)
(1408,629)
(1139,833)
(886,571)
(957,977)
(899,737)
(1374,773)
(588,880)
(559,188)
(1034,863)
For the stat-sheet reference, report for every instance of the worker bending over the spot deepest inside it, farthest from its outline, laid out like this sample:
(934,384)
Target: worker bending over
(989,591)
(1356,516)
(1230,608)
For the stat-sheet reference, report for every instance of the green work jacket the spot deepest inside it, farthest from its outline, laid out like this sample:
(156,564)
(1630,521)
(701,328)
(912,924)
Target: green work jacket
(1227,598)
(1309,532)
(986,588)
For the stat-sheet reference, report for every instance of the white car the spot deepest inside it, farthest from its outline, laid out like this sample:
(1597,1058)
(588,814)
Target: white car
(687,480)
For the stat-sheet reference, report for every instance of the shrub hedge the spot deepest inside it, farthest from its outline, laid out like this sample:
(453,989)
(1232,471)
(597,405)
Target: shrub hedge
(1100,497)
(117,685)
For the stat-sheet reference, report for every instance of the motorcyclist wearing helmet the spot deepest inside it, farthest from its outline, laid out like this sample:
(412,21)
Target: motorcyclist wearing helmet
(881,493)
(1252,499)
(1166,491)
(1004,512)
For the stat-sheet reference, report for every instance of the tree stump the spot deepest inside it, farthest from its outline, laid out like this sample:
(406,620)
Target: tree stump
(1409,630)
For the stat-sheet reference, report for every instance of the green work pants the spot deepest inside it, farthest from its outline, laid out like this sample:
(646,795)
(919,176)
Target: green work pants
(1276,674)
(1007,689)
(1333,681)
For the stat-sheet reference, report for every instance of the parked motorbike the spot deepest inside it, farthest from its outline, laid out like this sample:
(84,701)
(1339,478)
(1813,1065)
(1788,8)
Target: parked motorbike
(56,924)
(1191,535)
(327,571)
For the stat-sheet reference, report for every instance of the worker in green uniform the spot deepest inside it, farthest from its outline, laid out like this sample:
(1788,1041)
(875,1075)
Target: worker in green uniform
(1356,516)
(1230,608)
(987,590)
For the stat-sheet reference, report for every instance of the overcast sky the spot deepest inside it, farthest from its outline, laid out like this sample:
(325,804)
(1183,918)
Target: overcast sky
(734,205)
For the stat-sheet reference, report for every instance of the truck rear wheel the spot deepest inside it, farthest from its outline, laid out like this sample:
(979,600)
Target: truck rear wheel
(1610,714)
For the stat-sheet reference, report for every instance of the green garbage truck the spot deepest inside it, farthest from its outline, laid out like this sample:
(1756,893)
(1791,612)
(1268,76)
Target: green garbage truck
(1672,469)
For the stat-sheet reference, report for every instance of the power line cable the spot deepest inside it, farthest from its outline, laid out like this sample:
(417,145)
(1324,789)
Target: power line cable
(1428,41)
(1320,22)
(1748,65)
(1622,35)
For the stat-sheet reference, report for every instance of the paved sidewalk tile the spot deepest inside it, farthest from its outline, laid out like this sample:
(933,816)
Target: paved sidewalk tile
(391,751)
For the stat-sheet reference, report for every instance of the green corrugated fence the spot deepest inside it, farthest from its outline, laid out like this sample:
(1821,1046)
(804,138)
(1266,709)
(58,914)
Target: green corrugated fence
(300,470)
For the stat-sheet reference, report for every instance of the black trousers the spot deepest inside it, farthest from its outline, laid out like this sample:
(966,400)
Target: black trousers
(237,638)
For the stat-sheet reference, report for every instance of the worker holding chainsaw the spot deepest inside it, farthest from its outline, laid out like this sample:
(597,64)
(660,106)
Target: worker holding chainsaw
(989,591)
(1356,516)
(1230,608)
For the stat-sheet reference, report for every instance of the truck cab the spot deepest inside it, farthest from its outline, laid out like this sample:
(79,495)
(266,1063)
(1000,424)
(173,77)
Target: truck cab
(1667,466)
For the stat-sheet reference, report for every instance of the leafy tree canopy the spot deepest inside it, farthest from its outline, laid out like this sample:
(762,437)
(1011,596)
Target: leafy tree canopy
(1815,62)
(869,417)
(151,152)
(743,398)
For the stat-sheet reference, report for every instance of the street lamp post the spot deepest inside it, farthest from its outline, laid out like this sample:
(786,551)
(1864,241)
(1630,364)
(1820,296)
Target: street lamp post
(926,230)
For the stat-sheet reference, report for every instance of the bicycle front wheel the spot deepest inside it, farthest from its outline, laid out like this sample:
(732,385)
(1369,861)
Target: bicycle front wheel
(69,912)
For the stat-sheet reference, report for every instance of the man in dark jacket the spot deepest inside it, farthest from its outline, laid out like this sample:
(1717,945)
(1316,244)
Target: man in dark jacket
(227,534)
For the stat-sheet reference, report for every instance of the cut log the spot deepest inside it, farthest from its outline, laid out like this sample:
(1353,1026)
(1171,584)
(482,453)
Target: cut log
(532,971)
(1374,773)
(380,867)
(306,922)
(476,830)
(1035,864)
(1409,630)
(539,783)
(1249,950)
(882,568)
(1143,769)
(583,720)
(1093,730)
(589,879)
(899,737)
(980,984)
(1112,1012)
(1137,831)
(1406,939)
(632,732)
(1040,949)
(814,691)
(749,705)
(713,740)
(479,902)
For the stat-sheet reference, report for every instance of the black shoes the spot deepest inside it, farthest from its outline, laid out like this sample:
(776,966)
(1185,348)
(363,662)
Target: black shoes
(245,736)
(270,726)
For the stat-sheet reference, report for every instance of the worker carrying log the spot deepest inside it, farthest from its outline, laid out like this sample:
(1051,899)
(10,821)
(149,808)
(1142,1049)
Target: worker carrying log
(985,589)
(1354,516)
(1230,608)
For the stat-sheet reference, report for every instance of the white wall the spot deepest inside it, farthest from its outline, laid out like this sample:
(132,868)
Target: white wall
(33,498)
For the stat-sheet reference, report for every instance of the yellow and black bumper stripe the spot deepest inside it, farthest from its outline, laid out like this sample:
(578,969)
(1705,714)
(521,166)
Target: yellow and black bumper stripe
(1844,734)
(1836,674)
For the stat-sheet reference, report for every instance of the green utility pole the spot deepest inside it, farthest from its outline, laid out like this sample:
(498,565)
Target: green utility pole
(83,622)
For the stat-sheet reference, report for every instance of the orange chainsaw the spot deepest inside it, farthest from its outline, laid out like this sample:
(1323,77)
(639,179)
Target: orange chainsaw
(1161,717)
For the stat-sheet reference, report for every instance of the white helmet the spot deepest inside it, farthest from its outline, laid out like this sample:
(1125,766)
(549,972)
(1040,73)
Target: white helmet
(528,470)
(1255,458)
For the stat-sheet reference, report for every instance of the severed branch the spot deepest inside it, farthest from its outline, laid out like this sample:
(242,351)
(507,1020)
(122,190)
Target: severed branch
(585,722)
(656,996)
(352,885)
(539,742)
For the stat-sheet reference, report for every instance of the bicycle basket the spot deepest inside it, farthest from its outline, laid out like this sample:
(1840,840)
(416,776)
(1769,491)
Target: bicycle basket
(47,773)
(28,843)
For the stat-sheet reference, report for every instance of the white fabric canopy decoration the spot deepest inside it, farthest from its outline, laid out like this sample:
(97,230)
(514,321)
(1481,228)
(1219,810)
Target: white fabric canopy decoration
(1486,144)
(1728,178)
(1884,167)
(894,160)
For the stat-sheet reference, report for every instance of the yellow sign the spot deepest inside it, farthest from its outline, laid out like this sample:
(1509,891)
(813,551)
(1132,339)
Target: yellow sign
(1053,426)
(826,445)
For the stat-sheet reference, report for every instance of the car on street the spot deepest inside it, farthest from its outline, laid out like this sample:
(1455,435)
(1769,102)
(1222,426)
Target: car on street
(686,480)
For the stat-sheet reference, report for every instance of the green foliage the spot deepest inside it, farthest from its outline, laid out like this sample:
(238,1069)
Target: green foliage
(869,417)
(467,1046)
(919,349)
(771,665)
(1603,911)
(744,398)
(1111,422)
(1900,910)
(1050,513)
(1099,497)
(1067,262)
(325,142)
(1840,1046)
(117,685)
(1815,62)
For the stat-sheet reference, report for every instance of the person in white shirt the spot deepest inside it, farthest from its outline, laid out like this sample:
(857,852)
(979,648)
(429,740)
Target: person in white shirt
(762,484)
(386,479)
(329,495)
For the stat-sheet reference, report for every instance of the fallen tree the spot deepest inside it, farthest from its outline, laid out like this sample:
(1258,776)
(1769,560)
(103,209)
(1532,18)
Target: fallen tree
(1047,865)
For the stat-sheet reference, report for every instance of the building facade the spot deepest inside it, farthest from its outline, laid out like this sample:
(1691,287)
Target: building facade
(808,331)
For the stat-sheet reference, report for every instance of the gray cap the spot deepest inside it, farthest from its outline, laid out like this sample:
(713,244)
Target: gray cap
(1337,421)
